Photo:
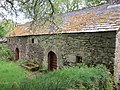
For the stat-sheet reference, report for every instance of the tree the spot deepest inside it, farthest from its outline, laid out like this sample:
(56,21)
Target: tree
(93,3)
(5,27)
(33,9)
(42,10)
(1,31)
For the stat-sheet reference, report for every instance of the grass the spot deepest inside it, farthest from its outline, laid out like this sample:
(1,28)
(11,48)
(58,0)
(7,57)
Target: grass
(13,77)
(84,78)
(10,73)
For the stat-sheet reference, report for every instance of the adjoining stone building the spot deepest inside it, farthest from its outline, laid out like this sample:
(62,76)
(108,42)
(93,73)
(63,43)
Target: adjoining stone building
(90,35)
(3,40)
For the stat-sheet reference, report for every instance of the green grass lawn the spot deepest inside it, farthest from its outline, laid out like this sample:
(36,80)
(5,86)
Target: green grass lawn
(10,73)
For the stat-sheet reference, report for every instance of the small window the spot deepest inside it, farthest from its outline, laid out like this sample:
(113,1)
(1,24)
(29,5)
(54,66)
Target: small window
(78,59)
(32,40)
(8,40)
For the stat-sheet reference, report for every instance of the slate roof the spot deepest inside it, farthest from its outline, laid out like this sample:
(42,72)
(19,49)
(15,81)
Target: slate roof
(100,18)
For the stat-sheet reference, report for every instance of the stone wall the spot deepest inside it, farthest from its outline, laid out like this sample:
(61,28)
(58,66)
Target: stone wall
(20,43)
(90,48)
(117,57)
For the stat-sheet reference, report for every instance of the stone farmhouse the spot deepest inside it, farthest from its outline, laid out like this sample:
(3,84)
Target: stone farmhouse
(90,36)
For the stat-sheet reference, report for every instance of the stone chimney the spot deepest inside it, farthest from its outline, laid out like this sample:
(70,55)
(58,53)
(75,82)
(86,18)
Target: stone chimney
(114,1)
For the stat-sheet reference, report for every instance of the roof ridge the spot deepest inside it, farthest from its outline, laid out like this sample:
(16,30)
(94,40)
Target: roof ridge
(113,6)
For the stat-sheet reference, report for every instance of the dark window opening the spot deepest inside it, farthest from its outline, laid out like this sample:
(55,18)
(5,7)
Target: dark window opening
(78,59)
(8,40)
(32,40)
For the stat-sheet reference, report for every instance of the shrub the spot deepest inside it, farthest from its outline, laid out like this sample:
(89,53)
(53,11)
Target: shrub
(84,78)
(5,53)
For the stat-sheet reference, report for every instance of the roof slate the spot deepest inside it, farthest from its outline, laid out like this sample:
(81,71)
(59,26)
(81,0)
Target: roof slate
(100,18)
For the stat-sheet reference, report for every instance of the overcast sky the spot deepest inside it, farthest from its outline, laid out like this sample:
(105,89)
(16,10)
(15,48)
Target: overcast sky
(19,19)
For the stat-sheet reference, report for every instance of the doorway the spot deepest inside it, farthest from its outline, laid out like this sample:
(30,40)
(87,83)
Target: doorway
(16,54)
(52,61)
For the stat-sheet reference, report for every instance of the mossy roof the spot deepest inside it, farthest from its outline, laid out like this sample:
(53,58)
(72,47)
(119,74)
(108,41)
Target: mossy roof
(100,18)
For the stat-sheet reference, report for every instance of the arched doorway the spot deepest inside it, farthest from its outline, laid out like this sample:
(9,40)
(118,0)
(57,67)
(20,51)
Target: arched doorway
(52,61)
(16,54)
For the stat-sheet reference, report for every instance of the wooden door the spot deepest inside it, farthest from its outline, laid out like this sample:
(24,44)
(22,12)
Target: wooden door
(17,54)
(52,61)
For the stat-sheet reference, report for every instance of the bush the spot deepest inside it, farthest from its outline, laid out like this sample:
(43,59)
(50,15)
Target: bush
(5,53)
(84,78)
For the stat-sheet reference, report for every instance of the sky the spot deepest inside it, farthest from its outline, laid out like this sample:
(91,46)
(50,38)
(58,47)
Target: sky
(19,19)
